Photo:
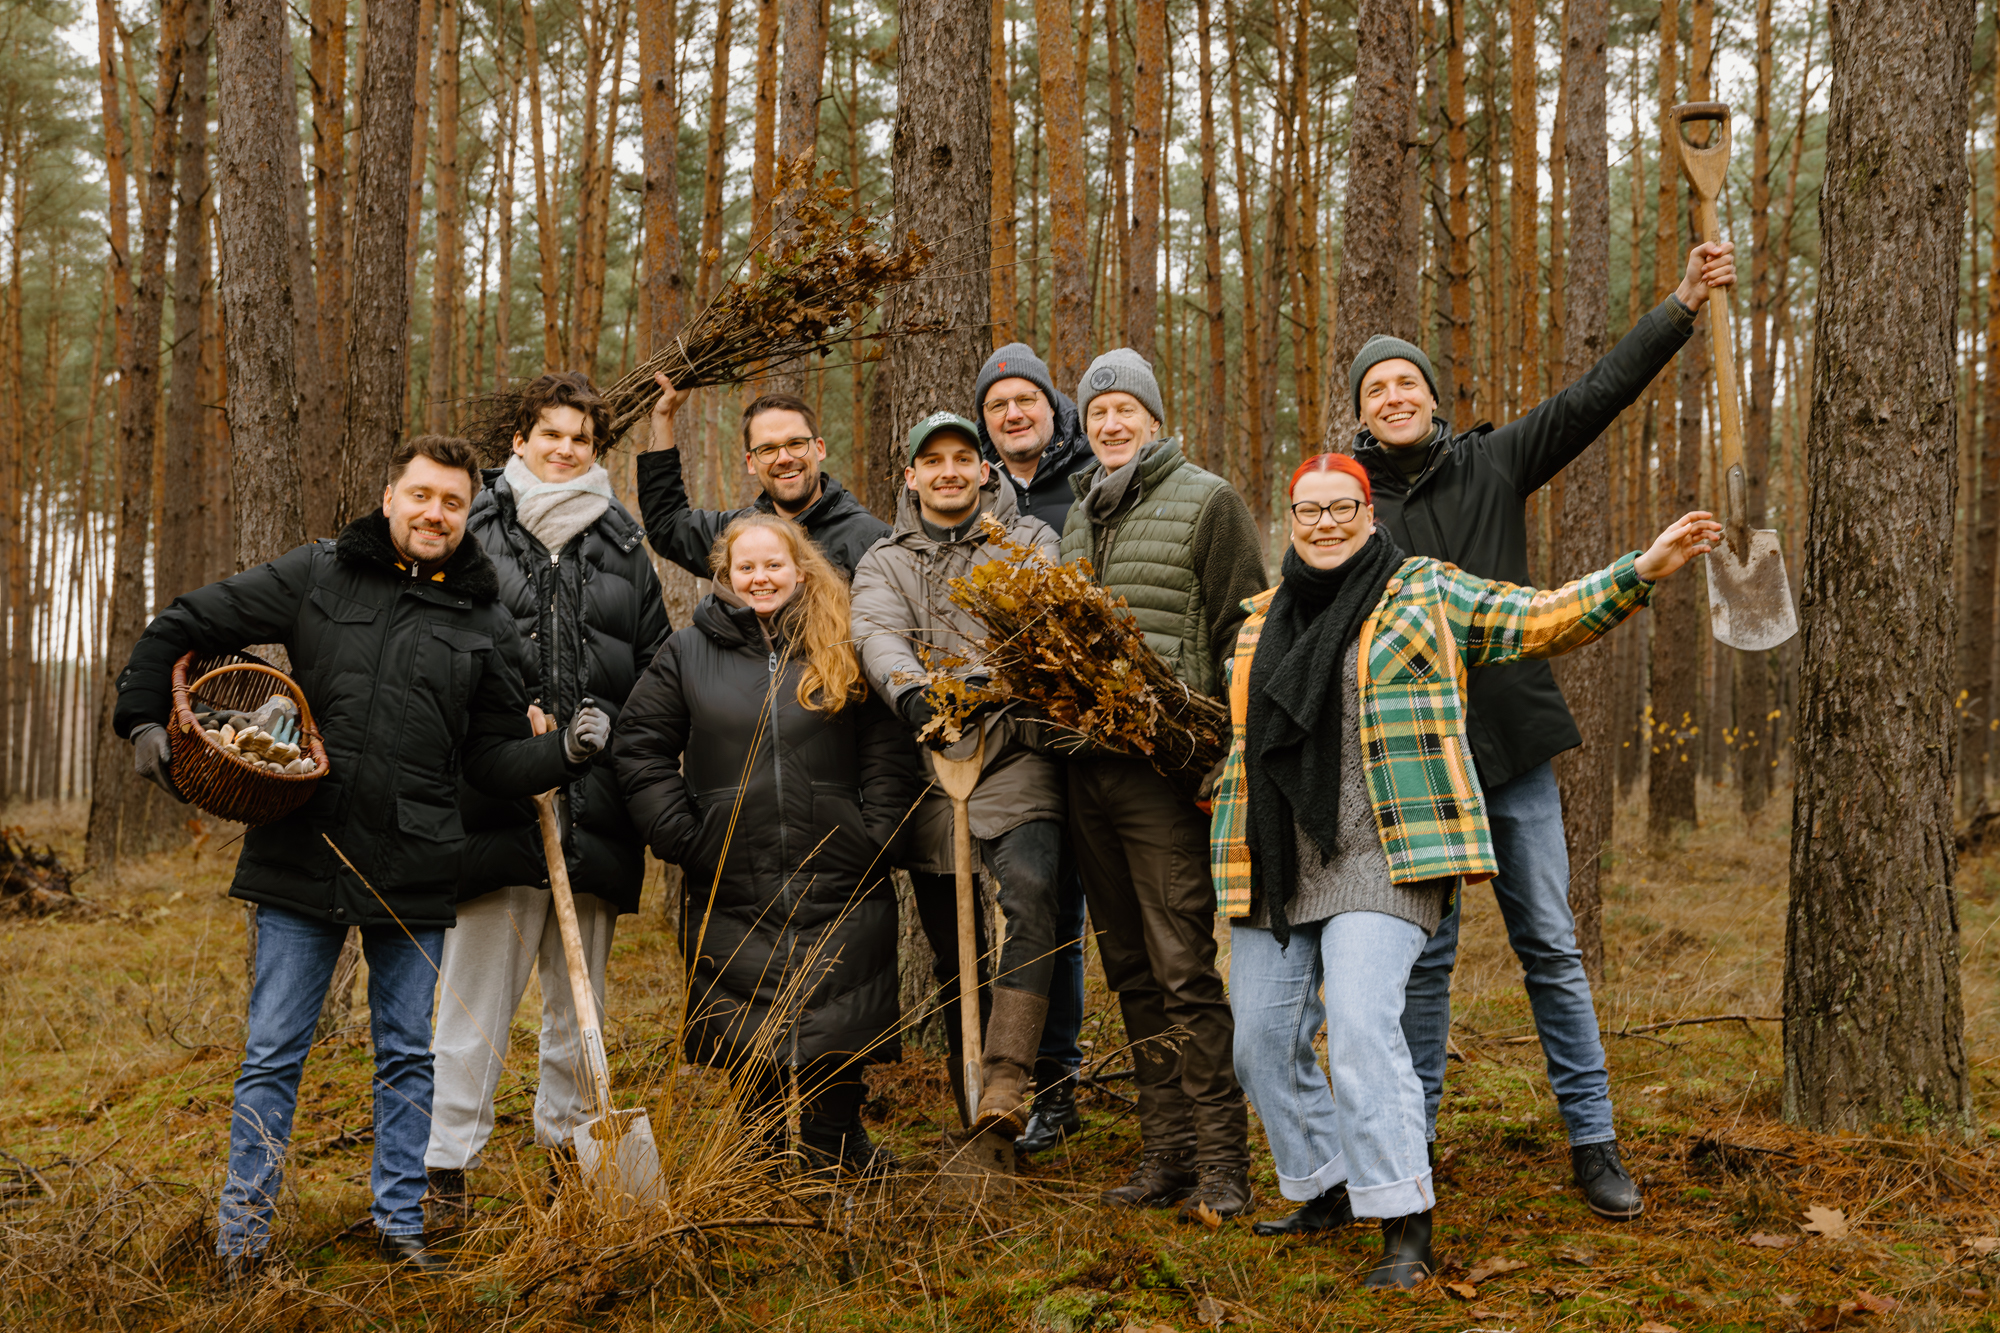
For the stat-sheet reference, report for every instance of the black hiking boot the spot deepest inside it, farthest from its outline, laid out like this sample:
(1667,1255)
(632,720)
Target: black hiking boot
(1329,1212)
(1161,1180)
(1223,1190)
(410,1252)
(1406,1253)
(1607,1186)
(1052,1117)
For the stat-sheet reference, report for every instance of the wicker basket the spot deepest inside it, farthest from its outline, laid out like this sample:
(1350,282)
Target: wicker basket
(208,775)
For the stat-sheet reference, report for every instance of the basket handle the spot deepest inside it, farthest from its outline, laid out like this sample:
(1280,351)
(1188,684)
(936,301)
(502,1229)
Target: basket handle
(299,695)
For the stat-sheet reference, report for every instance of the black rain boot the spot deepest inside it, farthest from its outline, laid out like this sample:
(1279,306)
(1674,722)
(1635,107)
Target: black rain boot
(1406,1253)
(1607,1186)
(1329,1212)
(1052,1116)
(410,1252)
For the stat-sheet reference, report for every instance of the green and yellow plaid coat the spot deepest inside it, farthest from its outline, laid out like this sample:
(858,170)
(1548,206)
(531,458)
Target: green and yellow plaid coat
(1433,622)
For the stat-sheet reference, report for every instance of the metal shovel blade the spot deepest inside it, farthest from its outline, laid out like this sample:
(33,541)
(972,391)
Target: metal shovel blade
(620,1162)
(1750,601)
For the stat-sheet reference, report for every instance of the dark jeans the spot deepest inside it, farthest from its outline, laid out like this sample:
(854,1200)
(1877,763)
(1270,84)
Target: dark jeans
(1060,1053)
(831,1091)
(1027,862)
(1143,849)
(295,958)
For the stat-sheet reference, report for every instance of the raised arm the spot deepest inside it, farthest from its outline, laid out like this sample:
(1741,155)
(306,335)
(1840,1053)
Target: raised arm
(260,605)
(678,532)
(1541,442)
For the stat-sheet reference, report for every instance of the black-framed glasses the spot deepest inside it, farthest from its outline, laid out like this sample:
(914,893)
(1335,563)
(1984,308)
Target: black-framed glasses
(798,448)
(1309,512)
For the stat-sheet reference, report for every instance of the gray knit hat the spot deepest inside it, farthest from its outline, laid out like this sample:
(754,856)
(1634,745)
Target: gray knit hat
(1382,348)
(1121,370)
(1015,359)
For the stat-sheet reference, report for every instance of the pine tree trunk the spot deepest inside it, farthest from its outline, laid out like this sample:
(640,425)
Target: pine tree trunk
(1981,684)
(1000,129)
(178,564)
(1525,335)
(1069,291)
(321,474)
(1465,373)
(804,77)
(377,345)
(548,240)
(1305,231)
(764,137)
(420,137)
(1215,438)
(505,156)
(713,165)
(447,263)
(1248,475)
(1584,543)
(1873,1016)
(1142,274)
(127,816)
(1754,750)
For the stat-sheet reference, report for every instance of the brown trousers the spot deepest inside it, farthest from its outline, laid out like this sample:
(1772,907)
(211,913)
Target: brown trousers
(1142,848)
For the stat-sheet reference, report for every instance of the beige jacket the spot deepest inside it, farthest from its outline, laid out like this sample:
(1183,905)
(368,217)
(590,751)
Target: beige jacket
(902,599)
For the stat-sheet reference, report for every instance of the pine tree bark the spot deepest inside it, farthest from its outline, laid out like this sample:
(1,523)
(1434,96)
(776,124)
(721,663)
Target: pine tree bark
(1465,374)
(1584,537)
(1382,155)
(1248,475)
(941,156)
(447,261)
(1754,751)
(804,78)
(1306,161)
(712,169)
(548,241)
(1142,276)
(125,817)
(1873,1015)
(1069,288)
(660,118)
(1000,129)
(764,145)
(378,350)
(1525,335)
(179,557)
(506,154)
(1981,685)
(329,102)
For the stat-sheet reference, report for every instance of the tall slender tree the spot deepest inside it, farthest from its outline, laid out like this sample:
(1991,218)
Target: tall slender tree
(1062,106)
(447,261)
(180,560)
(1149,87)
(1874,1022)
(1213,447)
(1000,128)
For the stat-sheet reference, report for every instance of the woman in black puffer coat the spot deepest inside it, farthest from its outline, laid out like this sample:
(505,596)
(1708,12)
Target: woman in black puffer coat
(753,756)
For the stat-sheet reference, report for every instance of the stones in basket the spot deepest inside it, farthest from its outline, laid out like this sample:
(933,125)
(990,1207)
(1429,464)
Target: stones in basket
(267,738)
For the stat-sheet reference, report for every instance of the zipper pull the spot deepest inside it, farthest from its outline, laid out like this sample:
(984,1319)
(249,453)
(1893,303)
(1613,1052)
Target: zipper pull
(774,664)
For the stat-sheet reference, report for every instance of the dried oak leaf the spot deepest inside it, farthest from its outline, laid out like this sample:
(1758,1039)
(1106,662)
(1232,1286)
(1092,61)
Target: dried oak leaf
(1828,1222)
(1493,1267)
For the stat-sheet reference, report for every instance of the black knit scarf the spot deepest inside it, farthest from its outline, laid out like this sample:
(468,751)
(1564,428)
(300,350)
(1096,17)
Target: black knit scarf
(1293,730)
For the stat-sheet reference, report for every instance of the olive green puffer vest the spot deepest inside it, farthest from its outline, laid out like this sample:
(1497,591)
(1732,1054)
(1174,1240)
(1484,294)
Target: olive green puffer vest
(1146,556)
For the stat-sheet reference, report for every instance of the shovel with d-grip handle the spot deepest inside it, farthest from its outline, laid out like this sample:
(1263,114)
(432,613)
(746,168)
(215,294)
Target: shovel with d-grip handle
(988,1154)
(1749,598)
(615,1150)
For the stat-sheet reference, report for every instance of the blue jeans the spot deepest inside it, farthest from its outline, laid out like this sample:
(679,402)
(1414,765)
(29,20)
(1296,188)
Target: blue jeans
(1368,1130)
(1064,1027)
(295,958)
(1533,892)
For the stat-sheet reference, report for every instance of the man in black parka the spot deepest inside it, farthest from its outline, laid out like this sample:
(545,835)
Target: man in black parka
(575,575)
(783,450)
(1461,498)
(412,670)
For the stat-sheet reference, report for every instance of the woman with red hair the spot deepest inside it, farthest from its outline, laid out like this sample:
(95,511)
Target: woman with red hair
(1348,813)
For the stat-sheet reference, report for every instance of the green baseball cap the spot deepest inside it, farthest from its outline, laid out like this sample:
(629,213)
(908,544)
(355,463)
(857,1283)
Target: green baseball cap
(934,423)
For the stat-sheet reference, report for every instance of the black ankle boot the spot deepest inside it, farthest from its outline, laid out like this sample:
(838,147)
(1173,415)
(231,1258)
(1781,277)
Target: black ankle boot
(1607,1186)
(411,1252)
(1052,1116)
(1406,1252)
(1329,1212)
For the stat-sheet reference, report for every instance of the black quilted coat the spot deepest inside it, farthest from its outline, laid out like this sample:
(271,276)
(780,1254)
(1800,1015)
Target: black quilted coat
(591,620)
(778,816)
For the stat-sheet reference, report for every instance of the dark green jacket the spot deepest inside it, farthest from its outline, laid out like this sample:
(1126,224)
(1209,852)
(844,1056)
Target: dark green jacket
(1466,507)
(411,682)
(1182,551)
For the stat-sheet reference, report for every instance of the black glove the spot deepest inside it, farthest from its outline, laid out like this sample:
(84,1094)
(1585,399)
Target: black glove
(587,735)
(916,709)
(152,758)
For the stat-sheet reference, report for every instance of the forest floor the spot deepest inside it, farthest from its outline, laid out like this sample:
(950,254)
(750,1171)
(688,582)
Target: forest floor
(119,1038)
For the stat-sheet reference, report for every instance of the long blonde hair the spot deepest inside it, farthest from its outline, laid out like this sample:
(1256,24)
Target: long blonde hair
(816,618)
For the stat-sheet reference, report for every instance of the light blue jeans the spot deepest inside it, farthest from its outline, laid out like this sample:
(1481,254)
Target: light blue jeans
(295,958)
(1368,1129)
(1533,892)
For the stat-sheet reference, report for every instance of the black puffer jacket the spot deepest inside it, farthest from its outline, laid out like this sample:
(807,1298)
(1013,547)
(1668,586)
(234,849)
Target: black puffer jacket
(1467,507)
(411,682)
(839,524)
(592,617)
(1048,496)
(778,816)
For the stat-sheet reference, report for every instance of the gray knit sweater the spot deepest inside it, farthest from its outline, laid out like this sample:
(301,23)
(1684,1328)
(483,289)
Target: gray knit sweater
(1356,877)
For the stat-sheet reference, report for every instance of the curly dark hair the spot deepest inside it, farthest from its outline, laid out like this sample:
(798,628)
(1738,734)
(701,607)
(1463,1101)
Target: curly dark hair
(444,450)
(562,388)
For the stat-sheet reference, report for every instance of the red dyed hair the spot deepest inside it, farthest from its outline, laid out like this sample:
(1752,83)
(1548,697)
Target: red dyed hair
(1334,463)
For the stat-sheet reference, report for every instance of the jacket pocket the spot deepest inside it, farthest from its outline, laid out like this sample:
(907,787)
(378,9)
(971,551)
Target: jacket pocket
(465,659)
(430,843)
(711,843)
(837,818)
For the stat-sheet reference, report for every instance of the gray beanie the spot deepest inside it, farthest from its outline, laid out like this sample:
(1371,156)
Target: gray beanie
(1013,360)
(1382,348)
(1121,370)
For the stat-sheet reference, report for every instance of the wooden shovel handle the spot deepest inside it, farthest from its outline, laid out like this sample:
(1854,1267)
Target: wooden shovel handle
(968,953)
(588,1021)
(1706,167)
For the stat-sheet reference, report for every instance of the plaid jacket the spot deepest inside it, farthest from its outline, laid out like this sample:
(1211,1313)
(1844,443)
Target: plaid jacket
(1433,622)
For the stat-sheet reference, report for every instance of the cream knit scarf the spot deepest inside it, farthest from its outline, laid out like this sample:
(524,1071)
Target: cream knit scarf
(555,511)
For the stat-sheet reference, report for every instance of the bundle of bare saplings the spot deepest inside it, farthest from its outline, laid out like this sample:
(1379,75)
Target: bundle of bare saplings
(1072,653)
(829,274)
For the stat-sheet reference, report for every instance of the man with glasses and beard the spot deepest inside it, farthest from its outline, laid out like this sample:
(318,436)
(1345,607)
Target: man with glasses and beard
(782,449)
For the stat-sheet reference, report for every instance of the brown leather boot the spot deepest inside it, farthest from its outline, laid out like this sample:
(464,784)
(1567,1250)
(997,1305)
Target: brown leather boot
(1012,1034)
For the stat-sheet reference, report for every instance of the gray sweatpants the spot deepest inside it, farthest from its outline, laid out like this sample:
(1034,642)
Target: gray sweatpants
(500,938)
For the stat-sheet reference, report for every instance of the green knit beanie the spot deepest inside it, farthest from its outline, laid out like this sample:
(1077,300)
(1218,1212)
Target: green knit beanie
(1382,348)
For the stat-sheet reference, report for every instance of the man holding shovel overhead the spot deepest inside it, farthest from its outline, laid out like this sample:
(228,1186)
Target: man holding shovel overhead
(412,669)
(582,591)
(902,612)
(1461,498)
